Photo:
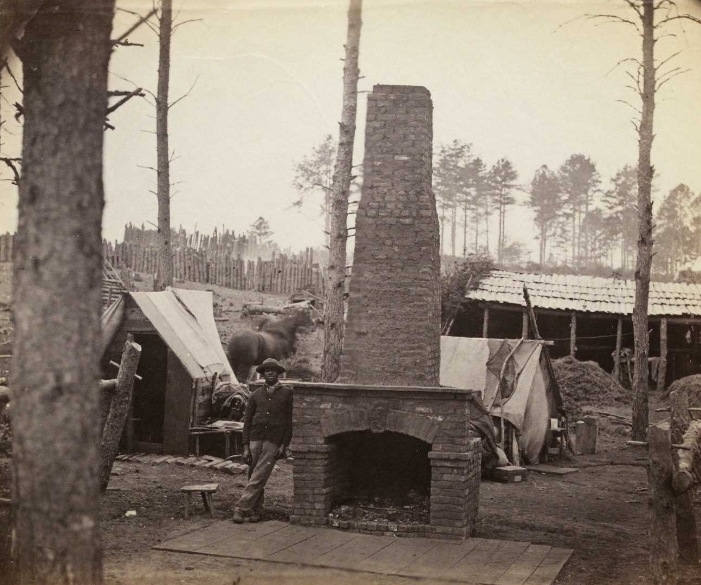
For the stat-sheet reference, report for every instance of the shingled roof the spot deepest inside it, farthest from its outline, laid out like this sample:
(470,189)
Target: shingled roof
(586,294)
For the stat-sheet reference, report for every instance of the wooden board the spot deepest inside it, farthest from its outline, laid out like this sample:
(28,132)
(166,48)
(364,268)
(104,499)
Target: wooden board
(523,567)
(550,567)
(551,469)
(350,555)
(440,558)
(306,551)
(500,562)
(259,548)
(191,542)
(397,555)
(471,566)
(475,560)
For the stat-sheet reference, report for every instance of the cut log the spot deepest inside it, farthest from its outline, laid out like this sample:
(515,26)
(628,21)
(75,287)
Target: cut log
(118,410)
(662,542)
(688,470)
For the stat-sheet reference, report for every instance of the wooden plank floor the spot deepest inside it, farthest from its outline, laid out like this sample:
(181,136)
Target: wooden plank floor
(475,561)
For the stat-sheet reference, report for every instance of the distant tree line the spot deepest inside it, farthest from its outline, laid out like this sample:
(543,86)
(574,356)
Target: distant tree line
(581,222)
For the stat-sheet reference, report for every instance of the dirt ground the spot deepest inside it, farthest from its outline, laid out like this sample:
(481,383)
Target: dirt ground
(600,511)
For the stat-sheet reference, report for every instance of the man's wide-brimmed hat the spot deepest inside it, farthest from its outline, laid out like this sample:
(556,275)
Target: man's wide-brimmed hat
(270,364)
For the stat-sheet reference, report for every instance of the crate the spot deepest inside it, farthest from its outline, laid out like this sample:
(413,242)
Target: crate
(509,474)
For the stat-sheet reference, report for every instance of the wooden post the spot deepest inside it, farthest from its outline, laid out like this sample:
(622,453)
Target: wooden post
(586,433)
(573,334)
(662,366)
(524,324)
(663,526)
(118,410)
(485,323)
(619,345)
(683,503)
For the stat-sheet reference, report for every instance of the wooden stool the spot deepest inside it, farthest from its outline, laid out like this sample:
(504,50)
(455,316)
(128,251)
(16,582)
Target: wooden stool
(206,490)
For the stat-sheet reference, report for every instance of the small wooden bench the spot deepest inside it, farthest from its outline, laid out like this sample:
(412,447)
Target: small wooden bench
(206,490)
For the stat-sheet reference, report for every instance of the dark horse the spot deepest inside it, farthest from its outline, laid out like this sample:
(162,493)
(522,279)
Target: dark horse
(276,337)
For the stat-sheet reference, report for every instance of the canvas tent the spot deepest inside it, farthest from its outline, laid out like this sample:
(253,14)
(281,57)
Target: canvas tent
(513,380)
(182,360)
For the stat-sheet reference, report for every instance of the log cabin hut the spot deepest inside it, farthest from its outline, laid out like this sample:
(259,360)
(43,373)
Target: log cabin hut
(590,318)
(181,362)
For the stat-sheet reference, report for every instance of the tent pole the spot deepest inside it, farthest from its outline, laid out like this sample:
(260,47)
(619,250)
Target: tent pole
(662,367)
(573,334)
(485,323)
(617,356)
(524,324)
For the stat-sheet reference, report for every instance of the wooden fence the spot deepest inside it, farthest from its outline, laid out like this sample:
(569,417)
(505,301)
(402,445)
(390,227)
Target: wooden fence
(220,241)
(283,274)
(215,259)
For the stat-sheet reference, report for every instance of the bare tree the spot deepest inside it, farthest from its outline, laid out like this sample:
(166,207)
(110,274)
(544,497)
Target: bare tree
(65,52)
(165,255)
(333,307)
(650,75)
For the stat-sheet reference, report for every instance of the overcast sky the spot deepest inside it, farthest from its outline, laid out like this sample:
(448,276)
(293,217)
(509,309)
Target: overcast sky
(505,76)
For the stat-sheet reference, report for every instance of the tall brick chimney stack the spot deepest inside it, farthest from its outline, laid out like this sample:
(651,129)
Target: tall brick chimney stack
(392,334)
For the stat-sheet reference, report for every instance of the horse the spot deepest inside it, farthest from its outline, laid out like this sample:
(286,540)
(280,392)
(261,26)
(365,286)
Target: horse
(276,338)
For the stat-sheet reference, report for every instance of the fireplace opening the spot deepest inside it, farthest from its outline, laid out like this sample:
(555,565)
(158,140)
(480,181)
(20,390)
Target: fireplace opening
(382,476)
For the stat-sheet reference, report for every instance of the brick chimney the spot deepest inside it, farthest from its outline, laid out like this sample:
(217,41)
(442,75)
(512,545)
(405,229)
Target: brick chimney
(392,334)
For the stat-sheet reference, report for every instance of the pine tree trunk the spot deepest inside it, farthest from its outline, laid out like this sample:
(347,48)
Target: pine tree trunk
(453,227)
(165,255)
(644,259)
(57,279)
(333,308)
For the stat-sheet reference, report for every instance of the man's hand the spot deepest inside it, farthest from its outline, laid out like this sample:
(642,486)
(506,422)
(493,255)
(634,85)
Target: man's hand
(246,455)
(280,453)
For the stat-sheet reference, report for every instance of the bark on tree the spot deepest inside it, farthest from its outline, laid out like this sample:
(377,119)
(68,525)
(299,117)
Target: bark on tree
(57,278)
(119,409)
(684,502)
(333,307)
(662,538)
(644,259)
(165,253)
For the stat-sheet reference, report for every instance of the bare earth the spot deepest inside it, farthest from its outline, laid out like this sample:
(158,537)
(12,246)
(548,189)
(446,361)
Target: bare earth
(601,511)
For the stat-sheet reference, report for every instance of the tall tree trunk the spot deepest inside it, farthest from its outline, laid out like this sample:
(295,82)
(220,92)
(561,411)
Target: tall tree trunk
(453,227)
(644,259)
(333,308)
(442,218)
(57,279)
(165,255)
(464,230)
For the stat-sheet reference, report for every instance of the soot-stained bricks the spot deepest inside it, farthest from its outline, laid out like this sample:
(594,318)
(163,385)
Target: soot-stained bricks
(392,333)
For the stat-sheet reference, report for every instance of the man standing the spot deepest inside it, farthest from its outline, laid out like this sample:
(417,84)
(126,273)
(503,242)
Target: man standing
(267,431)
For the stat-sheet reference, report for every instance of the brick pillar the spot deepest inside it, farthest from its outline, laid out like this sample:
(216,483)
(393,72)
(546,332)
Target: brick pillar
(314,483)
(455,481)
(392,334)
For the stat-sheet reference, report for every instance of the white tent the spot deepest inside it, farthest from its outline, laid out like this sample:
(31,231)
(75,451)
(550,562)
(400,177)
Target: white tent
(185,321)
(513,379)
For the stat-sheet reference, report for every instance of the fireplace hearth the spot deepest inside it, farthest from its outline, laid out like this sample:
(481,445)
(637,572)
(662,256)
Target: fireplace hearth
(385,459)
